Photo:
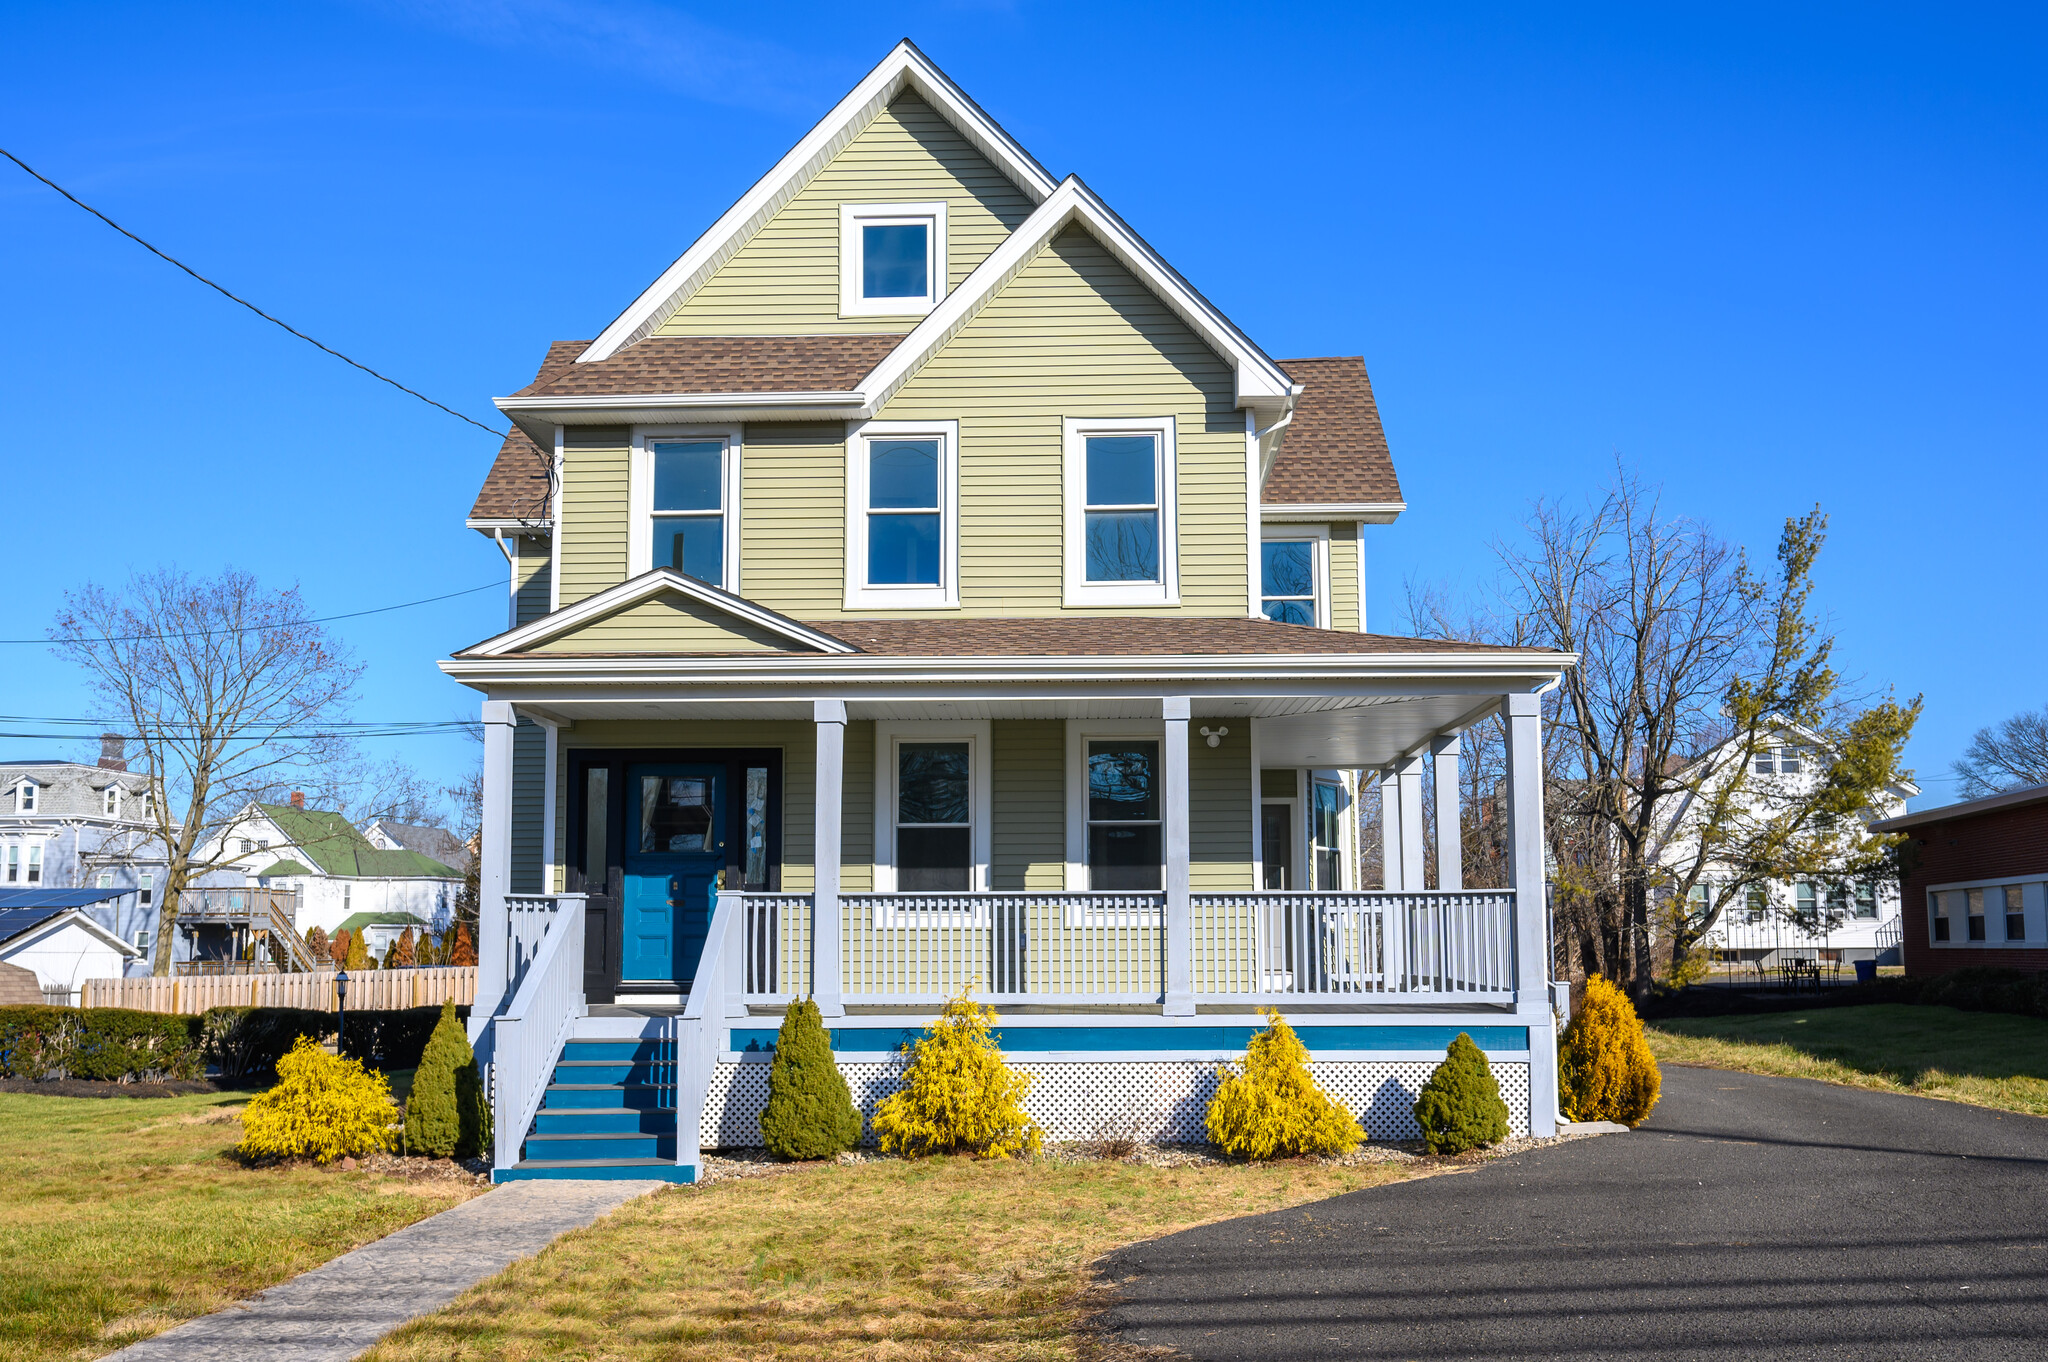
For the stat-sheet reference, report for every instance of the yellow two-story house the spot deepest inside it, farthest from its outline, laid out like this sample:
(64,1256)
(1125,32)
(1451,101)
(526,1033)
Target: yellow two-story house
(922,587)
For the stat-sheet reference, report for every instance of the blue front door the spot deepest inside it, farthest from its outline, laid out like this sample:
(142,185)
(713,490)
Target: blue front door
(675,845)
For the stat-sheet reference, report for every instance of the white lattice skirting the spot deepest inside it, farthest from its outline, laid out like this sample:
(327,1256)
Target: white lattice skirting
(1163,1099)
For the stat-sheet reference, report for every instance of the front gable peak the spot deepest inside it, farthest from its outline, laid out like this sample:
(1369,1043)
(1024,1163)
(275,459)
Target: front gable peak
(662,611)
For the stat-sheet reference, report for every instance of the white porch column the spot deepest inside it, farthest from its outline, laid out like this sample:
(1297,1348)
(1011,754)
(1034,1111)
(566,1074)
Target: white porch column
(1390,830)
(1409,772)
(1525,868)
(830,718)
(1180,920)
(494,864)
(1450,840)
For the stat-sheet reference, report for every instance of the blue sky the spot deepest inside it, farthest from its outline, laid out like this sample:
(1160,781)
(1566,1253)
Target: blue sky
(1771,257)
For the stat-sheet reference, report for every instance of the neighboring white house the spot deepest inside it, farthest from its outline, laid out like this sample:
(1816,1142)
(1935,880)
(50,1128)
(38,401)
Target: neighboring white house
(1802,918)
(52,933)
(336,871)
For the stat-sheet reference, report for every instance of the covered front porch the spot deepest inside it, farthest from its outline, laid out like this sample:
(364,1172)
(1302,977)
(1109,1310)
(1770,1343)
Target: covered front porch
(1127,870)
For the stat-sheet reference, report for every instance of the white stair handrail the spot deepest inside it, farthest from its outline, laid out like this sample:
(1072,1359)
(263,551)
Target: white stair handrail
(699,1034)
(529,1035)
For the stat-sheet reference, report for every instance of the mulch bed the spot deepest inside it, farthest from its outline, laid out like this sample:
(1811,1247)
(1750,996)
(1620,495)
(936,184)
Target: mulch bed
(100,1087)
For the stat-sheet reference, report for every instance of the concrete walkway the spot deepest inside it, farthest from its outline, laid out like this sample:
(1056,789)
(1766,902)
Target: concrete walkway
(340,1308)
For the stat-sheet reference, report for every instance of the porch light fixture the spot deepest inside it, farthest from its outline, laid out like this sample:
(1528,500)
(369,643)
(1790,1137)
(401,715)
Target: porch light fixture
(1215,735)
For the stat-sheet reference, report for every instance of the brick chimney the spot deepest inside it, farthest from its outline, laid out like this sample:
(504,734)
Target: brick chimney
(298,799)
(113,752)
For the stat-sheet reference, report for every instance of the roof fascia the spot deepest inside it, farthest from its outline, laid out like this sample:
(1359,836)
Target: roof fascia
(904,68)
(2011,799)
(645,587)
(67,918)
(1259,381)
(1370,512)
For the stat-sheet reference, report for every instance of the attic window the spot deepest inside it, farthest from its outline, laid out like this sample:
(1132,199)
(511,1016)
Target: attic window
(25,797)
(892,259)
(112,799)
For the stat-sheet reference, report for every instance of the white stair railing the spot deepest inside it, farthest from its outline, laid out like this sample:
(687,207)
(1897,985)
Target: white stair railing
(527,1038)
(717,994)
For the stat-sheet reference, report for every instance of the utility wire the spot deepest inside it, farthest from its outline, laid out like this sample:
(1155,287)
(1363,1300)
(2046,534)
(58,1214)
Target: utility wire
(259,628)
(383,378)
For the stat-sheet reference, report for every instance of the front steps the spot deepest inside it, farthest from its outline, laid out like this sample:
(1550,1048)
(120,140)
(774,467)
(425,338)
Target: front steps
(609,1112)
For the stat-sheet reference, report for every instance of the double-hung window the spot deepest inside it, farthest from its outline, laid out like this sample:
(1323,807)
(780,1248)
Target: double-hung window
(14,865)
(1939,907)
(1126,847)
(1120,533)
(902,534)
(1294,567)
(35,864)
(685,494)
(110,801)
(145,889)
(1866,900)
(2015,912)
(1974,908)
(1326,826)
(25,797)
(932,800)
(892,258)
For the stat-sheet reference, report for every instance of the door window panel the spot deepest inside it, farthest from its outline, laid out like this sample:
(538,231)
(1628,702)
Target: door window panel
(675,814)
(755,871)
(594,826)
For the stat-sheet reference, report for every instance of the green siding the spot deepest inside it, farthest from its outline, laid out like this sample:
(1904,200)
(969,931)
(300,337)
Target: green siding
(786,279)
(1028,791)
(592,532)
(1278,782)
(793,518)
(1077,335)
(529,786)
(1344,577)
(670,622)
(1219,812)
(533,577)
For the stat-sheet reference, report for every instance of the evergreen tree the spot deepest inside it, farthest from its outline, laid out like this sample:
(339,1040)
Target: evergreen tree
(463,952)
(358,953)
(337,948)
(810,1112)
(1460,1107)
(446,1113)
(316,945)
(401,954)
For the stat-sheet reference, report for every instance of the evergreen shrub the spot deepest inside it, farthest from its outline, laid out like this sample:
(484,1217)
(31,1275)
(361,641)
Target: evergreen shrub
(463,950)
(392,1038)
(110,1043)
(1270,1107)
(337,948)
(446,1113)
(1460,1107)
(958,1095)
(247,1042)
(316,946)
(810,1112)
(321,1108)
(400,956)
(1605,1069)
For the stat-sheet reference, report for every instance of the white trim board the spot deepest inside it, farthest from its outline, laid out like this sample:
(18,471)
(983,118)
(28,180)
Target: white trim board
(904,69)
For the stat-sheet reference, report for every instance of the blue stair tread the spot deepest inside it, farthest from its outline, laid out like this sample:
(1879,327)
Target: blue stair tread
(656,1170)
(598,1163)
(605,1087)
(559,1135)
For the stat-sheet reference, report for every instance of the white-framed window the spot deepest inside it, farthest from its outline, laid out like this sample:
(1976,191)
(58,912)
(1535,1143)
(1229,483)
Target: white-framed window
(1783,761)
(1329,801)
(25,796)
(903,515)
(933,806)
(142,940)
(1294,574)
(243,846)
(892,258)
(110,801)
(1866,901)
(684,500)
(145,889)
(35,864)
(1116,808)
(14,863)
(105,880)
(1988,913)
(1121,547)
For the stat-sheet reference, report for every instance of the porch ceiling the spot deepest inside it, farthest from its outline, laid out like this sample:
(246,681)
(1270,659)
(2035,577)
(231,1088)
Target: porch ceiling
(1294,730)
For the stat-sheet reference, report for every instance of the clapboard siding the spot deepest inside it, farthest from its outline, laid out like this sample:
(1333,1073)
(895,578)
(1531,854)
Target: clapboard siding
(1220,810)
(1076,335)
(1344,577)
(670,623)
(1027,780)
(786,279)
(532,572)
(592,533)
(529,786)
(793,518)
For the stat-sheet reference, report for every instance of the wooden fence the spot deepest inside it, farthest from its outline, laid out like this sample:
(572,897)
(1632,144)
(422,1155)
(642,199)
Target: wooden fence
(368,991)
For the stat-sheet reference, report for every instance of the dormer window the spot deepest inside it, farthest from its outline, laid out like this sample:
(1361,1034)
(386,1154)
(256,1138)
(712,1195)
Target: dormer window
(892,259)
(111,801)
(25,797)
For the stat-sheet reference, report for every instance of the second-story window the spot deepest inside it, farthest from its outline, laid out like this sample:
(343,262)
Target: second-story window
(685,498)
(901,540)
(1290,579)
(35,865)
(145,889)
(112,801)
(1120,519)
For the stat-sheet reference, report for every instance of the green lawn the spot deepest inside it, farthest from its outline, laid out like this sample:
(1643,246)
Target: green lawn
(122,1216)
(1984,1058)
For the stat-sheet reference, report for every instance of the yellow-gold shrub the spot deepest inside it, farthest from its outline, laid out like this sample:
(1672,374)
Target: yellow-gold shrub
(322,1109)
(958,1096)
(1605,1071)
(1271,1108)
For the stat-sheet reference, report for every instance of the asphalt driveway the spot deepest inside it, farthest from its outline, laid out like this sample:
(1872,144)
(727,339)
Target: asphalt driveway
(1749,1218)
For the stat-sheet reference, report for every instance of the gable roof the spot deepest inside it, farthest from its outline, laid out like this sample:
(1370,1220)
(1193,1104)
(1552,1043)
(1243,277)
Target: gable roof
(17,923)
(647,586)
(723,364)
(333,845)
(1334,453)
(439,843)
(283,869)
(905,68)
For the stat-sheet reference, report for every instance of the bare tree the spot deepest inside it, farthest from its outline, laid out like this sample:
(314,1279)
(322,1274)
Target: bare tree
(392,788)
(2010,755)
(1689,664)
(229,689)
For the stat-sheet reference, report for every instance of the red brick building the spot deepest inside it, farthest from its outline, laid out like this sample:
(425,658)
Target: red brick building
(1976,890)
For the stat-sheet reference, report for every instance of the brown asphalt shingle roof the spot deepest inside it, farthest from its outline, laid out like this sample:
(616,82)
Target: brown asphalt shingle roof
(518,486)
(721,364)
(1335,449)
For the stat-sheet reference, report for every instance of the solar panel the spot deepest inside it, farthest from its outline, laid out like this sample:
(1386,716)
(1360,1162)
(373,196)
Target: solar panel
(15,921)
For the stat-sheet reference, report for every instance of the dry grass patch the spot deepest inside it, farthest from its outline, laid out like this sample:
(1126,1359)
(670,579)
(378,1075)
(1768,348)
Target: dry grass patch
(1983,1058)
(122,1217)
(946,1258)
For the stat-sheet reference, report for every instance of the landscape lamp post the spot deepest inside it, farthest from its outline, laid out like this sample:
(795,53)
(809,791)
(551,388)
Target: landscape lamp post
(341,996)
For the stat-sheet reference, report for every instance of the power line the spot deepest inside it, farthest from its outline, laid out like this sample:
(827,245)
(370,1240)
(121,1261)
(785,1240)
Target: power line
(328,349)
(259,628)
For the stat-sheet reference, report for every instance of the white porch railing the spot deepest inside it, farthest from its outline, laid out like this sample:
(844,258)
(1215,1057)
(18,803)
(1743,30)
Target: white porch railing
(776,929)
(528,917)
(1081,948)
(1449,944)
(527,1038)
